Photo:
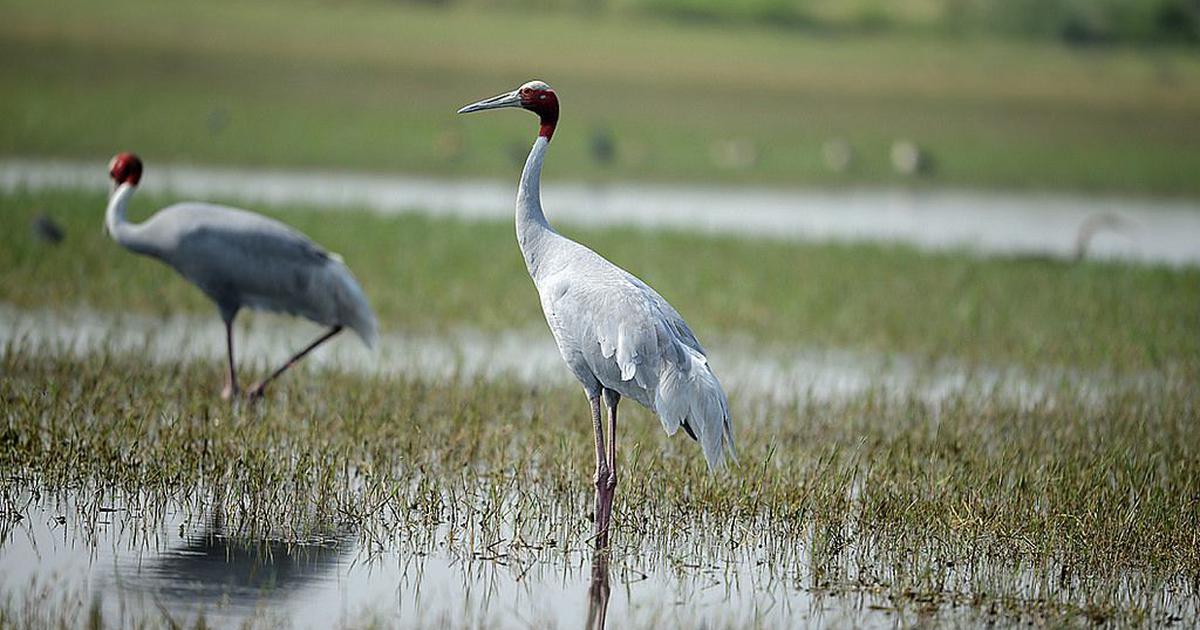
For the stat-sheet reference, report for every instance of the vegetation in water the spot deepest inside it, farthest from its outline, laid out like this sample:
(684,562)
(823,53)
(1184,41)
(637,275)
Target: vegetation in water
(1066,510)
(427,274)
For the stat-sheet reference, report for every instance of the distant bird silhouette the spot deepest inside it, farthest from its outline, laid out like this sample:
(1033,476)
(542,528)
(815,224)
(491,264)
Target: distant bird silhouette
(46,230)
(217,120)
(908,158)
(617,335)
(1094,224)
(242,259)
(838,154)
(603,146)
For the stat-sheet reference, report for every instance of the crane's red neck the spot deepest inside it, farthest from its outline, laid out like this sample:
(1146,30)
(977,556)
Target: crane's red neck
(546,130)
(544,103)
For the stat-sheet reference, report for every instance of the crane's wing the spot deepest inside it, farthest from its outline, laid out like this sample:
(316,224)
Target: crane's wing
(595,305)
(654,347)
(592,301)
(669,315)
(239,257)
(223,231)
(632,329)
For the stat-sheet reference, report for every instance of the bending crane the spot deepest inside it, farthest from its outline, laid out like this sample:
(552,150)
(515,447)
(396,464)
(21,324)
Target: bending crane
(242,259)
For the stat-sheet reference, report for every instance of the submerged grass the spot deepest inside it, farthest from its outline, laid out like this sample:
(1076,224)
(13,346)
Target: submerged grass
(425,274)
(1057,511)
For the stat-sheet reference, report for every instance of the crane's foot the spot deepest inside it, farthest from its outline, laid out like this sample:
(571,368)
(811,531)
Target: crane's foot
(257,392)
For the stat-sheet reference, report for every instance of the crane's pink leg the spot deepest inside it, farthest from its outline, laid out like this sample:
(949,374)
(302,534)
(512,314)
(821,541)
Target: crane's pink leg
(257,391)
(601,478)
(611,399)
(231,384)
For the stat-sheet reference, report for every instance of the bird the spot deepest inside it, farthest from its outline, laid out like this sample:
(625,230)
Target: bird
(617,335)
(1093,225)
(241,259)
(46,229)
(603,146)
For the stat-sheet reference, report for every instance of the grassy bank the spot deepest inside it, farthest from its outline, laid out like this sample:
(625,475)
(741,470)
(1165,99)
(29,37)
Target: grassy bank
(1054,513)
(1093,23)
(375,85)
(424,274)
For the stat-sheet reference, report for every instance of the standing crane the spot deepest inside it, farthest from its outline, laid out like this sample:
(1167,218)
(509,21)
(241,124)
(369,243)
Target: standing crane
(618,336)
(242,259)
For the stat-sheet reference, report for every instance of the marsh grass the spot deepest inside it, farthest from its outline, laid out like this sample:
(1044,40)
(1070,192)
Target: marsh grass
(425,274)
(1056,511)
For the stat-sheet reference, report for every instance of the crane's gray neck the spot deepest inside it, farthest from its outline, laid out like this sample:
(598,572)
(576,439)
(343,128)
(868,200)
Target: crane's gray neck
(127,234)
(533,231)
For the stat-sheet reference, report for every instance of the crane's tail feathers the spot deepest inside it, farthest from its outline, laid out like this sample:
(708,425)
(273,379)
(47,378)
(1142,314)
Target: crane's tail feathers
(353,310)
(690,396)
(368,331)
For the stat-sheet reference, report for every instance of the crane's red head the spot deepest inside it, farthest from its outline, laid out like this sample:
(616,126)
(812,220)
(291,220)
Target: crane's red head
(534,96)
(125,168)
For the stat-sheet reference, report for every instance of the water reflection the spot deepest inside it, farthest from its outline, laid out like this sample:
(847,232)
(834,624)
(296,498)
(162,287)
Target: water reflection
(599,591)
(210,570)
(175,564)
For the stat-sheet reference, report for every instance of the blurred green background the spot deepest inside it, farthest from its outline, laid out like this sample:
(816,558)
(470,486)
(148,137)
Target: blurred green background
(1100,95)
(1072,21)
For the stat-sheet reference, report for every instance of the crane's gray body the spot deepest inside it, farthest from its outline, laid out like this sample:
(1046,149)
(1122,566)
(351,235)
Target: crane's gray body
(616,332)
(240,259)
(613,329)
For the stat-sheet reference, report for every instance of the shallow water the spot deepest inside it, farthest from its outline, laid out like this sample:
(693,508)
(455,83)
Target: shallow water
(775,374)
(137,560)
(182,562)
(1161,231)
(134,561)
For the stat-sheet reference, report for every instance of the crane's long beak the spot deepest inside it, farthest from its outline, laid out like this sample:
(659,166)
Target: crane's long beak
(508,99)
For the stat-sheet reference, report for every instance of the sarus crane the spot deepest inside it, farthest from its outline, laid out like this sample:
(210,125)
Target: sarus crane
(617,335)
(242,259)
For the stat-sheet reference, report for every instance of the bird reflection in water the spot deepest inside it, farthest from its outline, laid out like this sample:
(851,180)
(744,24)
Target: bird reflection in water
(599,591)
(212,571)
